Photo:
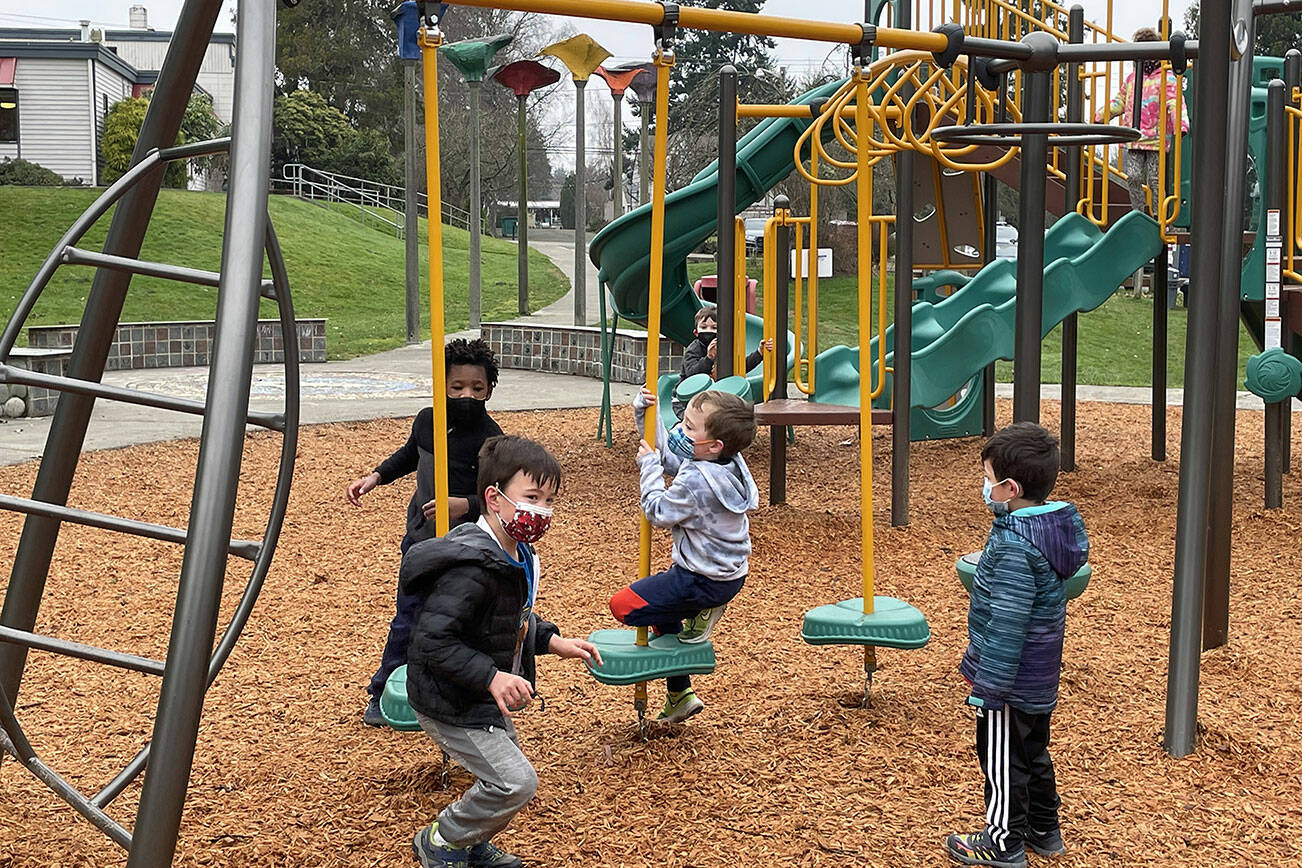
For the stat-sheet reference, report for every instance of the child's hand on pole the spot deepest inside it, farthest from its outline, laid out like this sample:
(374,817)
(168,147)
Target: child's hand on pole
(644,449)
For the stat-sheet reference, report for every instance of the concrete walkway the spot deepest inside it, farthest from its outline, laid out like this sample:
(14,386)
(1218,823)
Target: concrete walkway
(558,246)
(391,384)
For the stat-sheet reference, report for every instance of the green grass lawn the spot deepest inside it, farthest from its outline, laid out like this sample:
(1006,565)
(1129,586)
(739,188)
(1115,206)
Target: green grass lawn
(1114,346)
(338,269)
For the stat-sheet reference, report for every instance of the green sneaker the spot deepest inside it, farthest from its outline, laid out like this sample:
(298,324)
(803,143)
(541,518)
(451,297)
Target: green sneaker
(431,855)
(680,706)
(698,629)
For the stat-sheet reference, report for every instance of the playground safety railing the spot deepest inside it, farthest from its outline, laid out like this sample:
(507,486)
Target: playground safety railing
(1293,199)
(372,203)
(1104,171)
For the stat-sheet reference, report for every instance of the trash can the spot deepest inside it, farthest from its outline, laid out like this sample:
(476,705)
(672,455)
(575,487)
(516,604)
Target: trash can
(509,226)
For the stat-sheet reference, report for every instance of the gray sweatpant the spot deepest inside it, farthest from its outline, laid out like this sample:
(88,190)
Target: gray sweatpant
(505,781)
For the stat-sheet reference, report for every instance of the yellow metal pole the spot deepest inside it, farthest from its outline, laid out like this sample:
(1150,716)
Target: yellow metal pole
(721,20)
(739,298)
(430,43)
(863,123)
(663,61)
(813,274)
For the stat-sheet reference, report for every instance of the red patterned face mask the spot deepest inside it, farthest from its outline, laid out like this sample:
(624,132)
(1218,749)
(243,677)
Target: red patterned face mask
(529,521)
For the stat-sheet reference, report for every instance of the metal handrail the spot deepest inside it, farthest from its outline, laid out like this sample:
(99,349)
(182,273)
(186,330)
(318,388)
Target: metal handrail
(367,201)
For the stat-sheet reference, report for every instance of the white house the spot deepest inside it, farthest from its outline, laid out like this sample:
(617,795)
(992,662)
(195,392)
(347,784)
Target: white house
(56,86)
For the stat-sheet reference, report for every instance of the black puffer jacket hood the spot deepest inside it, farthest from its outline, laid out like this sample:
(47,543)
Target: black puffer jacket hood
(467,628)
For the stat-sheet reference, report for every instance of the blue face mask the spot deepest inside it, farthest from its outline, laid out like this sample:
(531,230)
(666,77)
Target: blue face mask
(998,507)
(682,445)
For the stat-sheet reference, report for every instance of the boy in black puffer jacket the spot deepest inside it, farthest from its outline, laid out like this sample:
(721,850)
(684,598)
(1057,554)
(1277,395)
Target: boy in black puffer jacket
(471,659)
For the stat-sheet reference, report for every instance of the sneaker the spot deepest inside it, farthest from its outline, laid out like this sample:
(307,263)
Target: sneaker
(680,706)
(1046,843)
(372,716)
(431,855)
(979,849)
(486,855)
(698,628)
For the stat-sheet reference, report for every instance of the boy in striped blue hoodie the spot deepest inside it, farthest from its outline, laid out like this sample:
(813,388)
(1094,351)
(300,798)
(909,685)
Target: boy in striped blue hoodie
(1015,628)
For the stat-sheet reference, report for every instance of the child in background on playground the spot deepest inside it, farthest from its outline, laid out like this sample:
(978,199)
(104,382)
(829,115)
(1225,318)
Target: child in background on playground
(1015,622)
(1140,158)
(705,507)
(471,376)
(700,355)
(473,647)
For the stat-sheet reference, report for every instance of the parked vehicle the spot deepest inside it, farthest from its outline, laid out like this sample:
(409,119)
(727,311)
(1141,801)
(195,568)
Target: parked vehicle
(755,236)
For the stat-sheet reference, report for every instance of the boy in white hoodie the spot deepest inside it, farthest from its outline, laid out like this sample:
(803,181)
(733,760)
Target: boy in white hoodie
(705,506)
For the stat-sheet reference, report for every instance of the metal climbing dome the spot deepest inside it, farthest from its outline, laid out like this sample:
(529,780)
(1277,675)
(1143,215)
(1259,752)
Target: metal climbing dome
(192,660)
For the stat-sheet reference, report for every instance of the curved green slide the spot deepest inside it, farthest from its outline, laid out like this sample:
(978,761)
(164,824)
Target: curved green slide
(622,250)
(956,338)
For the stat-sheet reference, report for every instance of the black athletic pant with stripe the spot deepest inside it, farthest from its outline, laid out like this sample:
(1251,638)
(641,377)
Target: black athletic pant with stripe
(1021,794)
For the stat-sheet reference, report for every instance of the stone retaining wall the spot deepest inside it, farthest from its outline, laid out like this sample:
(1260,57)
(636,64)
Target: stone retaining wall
(183,344)
(20,400)
(575,350)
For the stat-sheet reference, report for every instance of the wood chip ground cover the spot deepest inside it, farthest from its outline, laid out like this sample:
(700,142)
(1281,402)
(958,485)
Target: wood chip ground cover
(782,768)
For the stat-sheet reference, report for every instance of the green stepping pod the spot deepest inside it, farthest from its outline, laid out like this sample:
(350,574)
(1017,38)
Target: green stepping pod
(892,624)
(625,663)
(393,703)
(1075,585)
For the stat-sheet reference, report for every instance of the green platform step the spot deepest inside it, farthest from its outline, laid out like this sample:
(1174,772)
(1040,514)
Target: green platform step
(393,703)
(967,565)
(893,624)
(625,663)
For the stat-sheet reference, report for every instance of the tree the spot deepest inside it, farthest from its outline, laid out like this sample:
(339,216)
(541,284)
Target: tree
(307,130)
(1276,34)
(122,129)
(694,87)
(346,51)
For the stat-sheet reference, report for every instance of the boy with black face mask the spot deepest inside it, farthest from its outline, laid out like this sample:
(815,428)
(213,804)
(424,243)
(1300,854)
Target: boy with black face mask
(471,376)
(699,356)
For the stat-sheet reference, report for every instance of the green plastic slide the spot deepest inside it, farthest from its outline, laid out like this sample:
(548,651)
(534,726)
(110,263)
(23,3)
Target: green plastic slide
(955,339)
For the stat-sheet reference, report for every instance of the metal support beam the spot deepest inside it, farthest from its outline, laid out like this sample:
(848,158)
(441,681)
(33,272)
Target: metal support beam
(1030,251)
(902,401)
(1292,81)
(522,207)
(217,474)
(989,217)
(781,290)
(1216,579)
(477,209)
(98,325)
(580,210)
(725,270)
(1208,209)
(1071,195)
(1276,172)
(1160,353)
(644,154)
(410,222)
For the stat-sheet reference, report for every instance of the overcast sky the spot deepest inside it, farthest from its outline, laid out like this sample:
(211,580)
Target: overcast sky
(628,42)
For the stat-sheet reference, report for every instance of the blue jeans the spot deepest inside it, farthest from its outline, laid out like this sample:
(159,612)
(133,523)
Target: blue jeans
(663,600)
(406,608)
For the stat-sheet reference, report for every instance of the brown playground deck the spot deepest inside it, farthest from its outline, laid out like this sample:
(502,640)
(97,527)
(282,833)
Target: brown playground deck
(783,768)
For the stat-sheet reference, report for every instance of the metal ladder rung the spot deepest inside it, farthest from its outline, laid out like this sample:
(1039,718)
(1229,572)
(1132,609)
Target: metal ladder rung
(77,256)
(15,742)
(246,549)
(12,374)
(81,651)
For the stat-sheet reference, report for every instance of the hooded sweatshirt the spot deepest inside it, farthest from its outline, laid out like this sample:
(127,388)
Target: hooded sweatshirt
(465,436)
(1018,607)
(705,507)
(477,599)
